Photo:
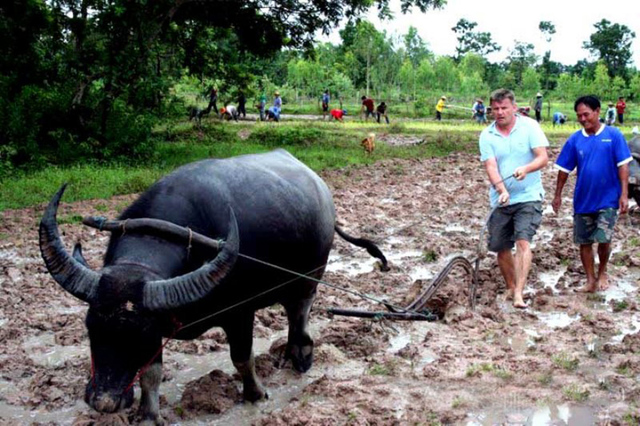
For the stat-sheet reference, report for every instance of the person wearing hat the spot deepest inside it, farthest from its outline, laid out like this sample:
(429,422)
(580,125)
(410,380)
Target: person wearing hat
(440,106)
(277,106)
(229,112)
(538,107)
(479,111)
(610,115)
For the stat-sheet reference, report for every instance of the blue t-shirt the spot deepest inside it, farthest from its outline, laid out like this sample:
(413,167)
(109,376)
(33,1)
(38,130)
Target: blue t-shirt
(597,158)
(511,152)
(325,98)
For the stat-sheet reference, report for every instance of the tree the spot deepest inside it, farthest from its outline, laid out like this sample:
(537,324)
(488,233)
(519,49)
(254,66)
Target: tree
(520,58)
(472,41)
(416,49)
(548,67)
(611,43)
(547,29)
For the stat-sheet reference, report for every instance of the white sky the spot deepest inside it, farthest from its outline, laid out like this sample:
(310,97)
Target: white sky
(508,21)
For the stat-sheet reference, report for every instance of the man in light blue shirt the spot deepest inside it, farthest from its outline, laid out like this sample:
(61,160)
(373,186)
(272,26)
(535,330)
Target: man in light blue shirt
(513,150)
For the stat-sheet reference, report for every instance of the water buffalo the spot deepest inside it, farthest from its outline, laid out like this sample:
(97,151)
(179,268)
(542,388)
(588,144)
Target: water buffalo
(265,206)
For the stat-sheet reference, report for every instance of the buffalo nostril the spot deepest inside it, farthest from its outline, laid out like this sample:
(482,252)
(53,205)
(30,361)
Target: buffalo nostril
(105,404)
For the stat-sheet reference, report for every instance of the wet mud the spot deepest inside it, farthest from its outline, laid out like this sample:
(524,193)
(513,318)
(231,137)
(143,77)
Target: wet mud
(569,358)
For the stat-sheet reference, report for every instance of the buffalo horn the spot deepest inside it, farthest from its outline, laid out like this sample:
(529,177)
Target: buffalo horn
(191,287)
(71,274)
(150,226)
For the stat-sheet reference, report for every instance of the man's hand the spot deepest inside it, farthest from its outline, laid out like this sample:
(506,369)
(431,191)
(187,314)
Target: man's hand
(623,204)
(520,173)
(555,204)
(503,198)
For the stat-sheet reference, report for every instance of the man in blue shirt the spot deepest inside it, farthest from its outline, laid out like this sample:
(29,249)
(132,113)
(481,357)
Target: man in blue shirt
(513,146)
(602,158)
(325,104)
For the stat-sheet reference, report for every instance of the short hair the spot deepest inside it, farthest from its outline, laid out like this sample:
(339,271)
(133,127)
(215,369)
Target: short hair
(363,97)
(501,94)
(589,100)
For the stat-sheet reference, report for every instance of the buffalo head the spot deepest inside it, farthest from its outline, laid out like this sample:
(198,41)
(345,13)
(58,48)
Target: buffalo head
(129,307)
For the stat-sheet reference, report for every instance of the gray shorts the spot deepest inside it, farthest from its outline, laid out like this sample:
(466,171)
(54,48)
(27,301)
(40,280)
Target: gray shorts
(594,227)
(512,223)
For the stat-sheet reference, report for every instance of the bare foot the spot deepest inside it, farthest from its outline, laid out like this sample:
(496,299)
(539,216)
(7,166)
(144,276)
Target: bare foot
(589,287)
(603,282)
(518,302)
(509,295)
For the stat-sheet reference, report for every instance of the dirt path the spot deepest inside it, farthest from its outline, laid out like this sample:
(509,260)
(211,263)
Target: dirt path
(567,359)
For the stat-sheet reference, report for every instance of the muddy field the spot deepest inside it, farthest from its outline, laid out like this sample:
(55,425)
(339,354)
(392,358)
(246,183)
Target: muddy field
(567,359)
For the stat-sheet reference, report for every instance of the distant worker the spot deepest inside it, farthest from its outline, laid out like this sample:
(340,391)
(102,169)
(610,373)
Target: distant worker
(381,110)
(213,99)
(242,101)
(262,104)
(325,103)
(276,109)
(610,115)
(479,112)
(368,107)
(440,106)
(620,107)
(229,112)
(559,119)
(272,114)
(338,114)
(538,107)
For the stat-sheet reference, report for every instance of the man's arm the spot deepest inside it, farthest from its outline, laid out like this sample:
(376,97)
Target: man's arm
(623,175)
(557,199)
(540,161)
(491,167)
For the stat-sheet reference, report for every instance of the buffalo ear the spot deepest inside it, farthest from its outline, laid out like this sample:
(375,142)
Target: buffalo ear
(77,255)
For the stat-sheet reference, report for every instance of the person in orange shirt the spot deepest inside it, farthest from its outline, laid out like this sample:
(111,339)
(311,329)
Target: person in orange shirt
(620,107)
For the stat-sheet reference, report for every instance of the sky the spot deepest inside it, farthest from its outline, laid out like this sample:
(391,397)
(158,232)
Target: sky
(508,21)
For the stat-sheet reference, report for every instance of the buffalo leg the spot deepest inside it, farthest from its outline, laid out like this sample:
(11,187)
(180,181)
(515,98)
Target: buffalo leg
(240,335)
(300,344)
(150,398)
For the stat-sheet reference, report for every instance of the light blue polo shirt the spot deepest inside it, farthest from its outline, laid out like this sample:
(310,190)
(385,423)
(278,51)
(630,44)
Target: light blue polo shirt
(511,152)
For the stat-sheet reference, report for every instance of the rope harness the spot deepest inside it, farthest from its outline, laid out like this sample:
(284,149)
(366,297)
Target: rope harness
(415,311)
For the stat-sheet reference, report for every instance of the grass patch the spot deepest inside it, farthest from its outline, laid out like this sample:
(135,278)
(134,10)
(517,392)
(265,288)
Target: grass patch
(564,361)
(619,305)
(388,368)
(477,370)
(575,393)
(320,145)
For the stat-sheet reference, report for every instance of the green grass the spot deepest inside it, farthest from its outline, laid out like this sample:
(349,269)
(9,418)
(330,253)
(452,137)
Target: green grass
(566,362)
(320,145)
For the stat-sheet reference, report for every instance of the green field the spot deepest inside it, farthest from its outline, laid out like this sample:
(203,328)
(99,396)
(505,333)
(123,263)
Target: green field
(320,145)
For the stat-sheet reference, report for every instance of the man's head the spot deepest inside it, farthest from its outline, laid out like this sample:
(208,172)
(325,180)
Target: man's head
(363,98)
(587,110)
(621,98)
(538,95)
(503,107)
(444,98)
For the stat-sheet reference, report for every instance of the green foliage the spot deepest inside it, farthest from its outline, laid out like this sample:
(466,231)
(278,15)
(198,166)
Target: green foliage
(612,44)
(564,361)
(277,136)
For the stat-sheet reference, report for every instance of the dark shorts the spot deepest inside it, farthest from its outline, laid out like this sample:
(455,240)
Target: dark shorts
(368,113)
(325,107)
(512,223)
(594,227)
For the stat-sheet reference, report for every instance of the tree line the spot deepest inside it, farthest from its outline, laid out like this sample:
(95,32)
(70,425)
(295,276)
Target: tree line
(88,79)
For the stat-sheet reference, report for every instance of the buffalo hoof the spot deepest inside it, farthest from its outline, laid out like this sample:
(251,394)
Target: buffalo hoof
(301,357)
(254,393)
